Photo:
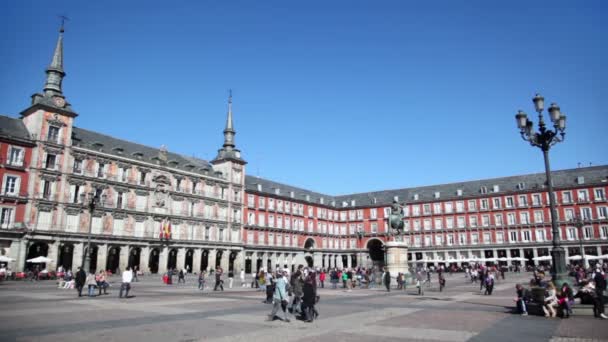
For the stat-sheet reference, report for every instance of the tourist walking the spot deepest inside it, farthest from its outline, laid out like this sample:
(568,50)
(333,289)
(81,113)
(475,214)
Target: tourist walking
(218,279)
(489,284)
(441,282)
(279,299)
(181,278)
(309,297)
(230,278)
(127,278)
(80,279)
(600,287)
(297,284)
(201,280)
(387,279)
(135,270)
(322,278)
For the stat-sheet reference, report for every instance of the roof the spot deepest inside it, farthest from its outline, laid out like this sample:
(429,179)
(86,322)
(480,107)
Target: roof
(13,128)
(530,182)
(126,149)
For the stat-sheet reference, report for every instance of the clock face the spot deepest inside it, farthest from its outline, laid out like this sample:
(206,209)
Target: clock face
(59,101)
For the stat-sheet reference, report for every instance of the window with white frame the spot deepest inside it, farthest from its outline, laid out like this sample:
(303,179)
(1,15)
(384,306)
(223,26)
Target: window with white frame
(11,185)
(498,220)
(280,206)
(604,232)
(567,197)
(460,222)
(438,240)
(474,238)
(416,225)
(571,233)
(6,217)
(271,204)
(261,238)
(602,212)
(261,202)
(583,195)
(500,237)
(119,226)
(588,233)
(140,202)
(513,236)
(496,203)
(271,221)
(569,214)
(17,154)
(417,241)
(139,229)
(271,239)
(526,236)
(438,223)
(374,227)
(262,219)
(599,194)
(450,239)
(524,217)
(510,202)
(484,204)
(541,235)
(510,219)
(97,225)
(586,213)
(486,238)
(53,134)
(449,207)
(415,210)
(250,201)
(426,209)
(373,213)
(288,207)
(449,222)
(311,226)
(538,216)
(523,200)
(536,200)
(437,208)
(279,221)
(473,220)
(485,220)
(459,206)
(428,241)
(427,224)
(310,211)
(472,205)
(72,223)
(462,239)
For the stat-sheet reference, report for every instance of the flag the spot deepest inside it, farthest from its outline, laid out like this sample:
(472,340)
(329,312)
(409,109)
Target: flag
(168,230)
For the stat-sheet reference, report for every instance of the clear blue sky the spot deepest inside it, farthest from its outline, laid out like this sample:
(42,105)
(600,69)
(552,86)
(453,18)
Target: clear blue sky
(333,96)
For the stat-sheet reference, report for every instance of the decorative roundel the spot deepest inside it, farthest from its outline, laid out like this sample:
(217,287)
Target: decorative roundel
(59,101)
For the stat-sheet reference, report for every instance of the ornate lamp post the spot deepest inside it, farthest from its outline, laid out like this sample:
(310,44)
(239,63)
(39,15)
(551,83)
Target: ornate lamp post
(578,222)
(544,139)
(90,200)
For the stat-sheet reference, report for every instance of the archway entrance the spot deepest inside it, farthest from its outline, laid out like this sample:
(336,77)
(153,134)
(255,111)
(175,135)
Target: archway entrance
(248,265)
(309,244)
(66,253)
(218,259)
(188,261)
(153,260)
(36,249)
(231,261)
(134,257)
(172,259)
(113,260)
(258,265)
(204,260)
(375,248)
(93,264)
(309,261)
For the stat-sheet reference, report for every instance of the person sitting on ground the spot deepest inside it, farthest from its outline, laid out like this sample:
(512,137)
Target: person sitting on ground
(550,302)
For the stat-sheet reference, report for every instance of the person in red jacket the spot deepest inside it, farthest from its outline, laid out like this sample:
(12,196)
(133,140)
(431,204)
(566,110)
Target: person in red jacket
(322,278)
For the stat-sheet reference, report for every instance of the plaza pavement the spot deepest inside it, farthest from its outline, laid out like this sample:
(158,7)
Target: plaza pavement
(41,312)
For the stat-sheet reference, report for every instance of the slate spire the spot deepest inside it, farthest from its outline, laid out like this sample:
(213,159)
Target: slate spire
(55,73)
(229,131)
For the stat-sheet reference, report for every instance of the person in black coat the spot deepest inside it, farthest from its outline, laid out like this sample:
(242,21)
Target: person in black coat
(309,298)
(600,287)
(79,280)
(387,279)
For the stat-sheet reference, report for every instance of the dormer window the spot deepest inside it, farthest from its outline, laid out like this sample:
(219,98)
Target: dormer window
(291,194)
(307,198)
(496,188)
(580,180)
(118,150)
(437,194)
(53,134)
(138,155)
(484,190)
(352,203)
(521,186)
(173,163)
(259,187)
(277,191)
(322,200)
(459,192)
(97,145)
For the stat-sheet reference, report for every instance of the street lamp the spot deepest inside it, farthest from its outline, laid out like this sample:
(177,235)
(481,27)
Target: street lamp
(544,139)
(90,200)
(578,222)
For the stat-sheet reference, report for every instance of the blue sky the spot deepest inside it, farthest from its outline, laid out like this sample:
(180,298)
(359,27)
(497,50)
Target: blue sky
(333,96)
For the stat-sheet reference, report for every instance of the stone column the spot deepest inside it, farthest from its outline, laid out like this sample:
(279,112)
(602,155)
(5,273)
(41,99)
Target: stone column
(211,259)
(18,252)
(349,262)
(77,257)
(124,258)
(181,258)
(53,254)
(162,259)
(396,257)
(102,255)
(196,260)
(265,261)
(225,262)
(144,257)
(317,260)
(535,254)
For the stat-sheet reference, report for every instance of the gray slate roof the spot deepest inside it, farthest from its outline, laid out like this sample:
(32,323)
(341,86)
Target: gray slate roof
(110,145)
(531,182)
(13,128)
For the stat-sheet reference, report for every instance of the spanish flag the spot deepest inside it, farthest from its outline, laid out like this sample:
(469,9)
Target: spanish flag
(167,230)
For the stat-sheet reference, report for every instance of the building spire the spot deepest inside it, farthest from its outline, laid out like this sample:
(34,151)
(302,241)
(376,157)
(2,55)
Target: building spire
(55,73)
(229,131)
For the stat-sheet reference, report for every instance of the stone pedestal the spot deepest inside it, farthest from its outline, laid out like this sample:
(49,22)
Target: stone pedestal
(396,257)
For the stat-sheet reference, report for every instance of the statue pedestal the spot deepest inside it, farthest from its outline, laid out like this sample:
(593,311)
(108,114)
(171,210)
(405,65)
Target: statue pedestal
(396,257)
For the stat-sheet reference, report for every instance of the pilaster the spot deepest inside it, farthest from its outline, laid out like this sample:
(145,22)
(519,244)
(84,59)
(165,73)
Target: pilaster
(181,259)
(144,257)
(196,260)
(102,255)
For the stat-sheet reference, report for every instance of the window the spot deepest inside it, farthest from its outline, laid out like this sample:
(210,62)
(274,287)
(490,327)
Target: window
(472,205)
(583,196)
(449,207)
(416,225)
(450,239)
(586,214)
(459,206)
(271,204)
(417,241)
(588,231)
(567,197)
(569,213)
(139,229)
(373,213)
(524,218)
(6,217)
(50,161)
(142,178)
(602,212)
(511,219)
(538,216)
(485,220)
(279,221)
(523,201)
(416,210)
(473,221)
(47,189)
(498,220)
(140,202)
(250,201)
(72,223)
(261,202)
(460,222)
(207,233)
(496,203)
(486,238)
(500,237)
(510,203)
(53,134)
(77,166)
(540,235)
(474,238)
(526,236)
(16,154)
(178,184)
(427,224)
(11,185)
(438,240)
(449,222)
(536,200)
(119,227)
(374,227)
(428,241)
(484,204)
(513,236)
(119,202)
(437,208)
(462,239)
(438,223)
(426,209)
(600,194)
(221,234)
(604,232)
(101,167)
(571,233)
